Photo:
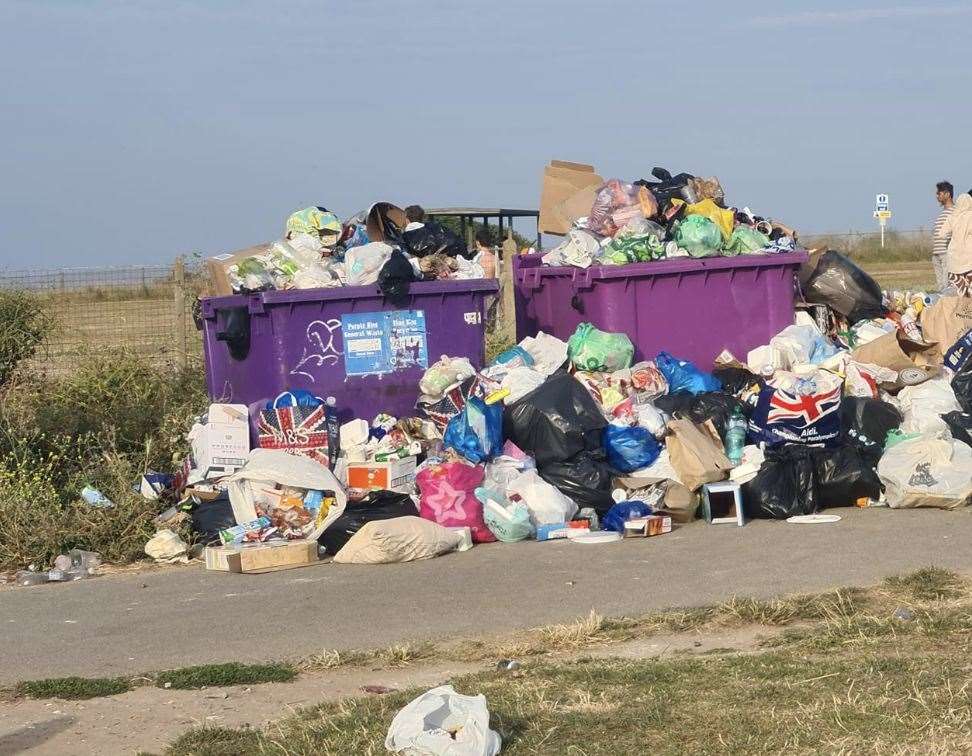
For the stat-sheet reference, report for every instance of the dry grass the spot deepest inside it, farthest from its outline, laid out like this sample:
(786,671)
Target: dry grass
(853,679)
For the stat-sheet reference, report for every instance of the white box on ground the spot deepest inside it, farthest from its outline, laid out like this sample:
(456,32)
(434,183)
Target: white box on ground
(221,445)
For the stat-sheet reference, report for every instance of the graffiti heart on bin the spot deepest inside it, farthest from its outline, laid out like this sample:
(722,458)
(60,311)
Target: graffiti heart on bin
(321,350)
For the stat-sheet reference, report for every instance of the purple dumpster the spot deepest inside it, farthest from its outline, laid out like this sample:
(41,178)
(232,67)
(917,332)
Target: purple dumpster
(693,308)
(344,342)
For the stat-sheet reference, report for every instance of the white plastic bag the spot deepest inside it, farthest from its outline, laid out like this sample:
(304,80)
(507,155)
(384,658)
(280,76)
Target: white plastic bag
(548,352)
(363,264)
(442,722)
(652,419)
(272,466)
(521,381)
(929,471)
(547,505)
(923,406)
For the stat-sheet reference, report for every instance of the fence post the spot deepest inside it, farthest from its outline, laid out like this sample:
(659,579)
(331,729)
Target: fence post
(179,303)
(507,303)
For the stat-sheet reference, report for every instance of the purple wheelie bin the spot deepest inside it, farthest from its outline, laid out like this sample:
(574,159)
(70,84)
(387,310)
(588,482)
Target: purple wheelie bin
(692,308)
(346,342)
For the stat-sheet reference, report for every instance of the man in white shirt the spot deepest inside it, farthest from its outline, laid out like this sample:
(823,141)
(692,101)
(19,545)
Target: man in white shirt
(944,193)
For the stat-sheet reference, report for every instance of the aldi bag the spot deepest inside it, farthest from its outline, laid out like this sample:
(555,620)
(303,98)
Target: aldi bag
(784,417)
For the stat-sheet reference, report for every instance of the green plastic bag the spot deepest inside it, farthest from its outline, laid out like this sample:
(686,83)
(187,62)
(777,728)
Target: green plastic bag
(598,351)
(633,248)
(746,239)
(699,236)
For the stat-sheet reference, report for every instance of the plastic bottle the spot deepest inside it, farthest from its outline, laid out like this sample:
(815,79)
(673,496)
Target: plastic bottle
(333,426)
(736,436)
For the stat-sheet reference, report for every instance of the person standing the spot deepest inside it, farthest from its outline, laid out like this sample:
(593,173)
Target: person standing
(944,193)
(957,229)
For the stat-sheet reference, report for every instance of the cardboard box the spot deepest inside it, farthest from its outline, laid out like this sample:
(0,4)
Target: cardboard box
(652,525)
(676,500)
(221,445)
(217,267)
(551,531)
(396,475)
(272,556)
(563,193)
(217,557)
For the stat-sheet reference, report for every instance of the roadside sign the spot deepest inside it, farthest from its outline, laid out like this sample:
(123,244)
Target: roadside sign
(882,203)
(882,214)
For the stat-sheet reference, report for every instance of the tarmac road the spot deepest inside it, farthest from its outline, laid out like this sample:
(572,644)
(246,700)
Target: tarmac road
(125,624)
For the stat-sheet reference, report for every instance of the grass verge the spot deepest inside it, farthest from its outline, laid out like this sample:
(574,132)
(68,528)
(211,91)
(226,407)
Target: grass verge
(184,678)
(73,688)
(215,675)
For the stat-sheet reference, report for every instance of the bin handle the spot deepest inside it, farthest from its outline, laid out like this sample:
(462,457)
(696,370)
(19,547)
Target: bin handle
(255,305)
(530,278)
(581,279)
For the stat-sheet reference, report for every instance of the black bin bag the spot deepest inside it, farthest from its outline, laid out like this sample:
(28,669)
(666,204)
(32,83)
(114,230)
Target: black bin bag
(585,479)
(556,421)
(784,485)
(434,239)
(844,475)
(865,423)
(210,517)
(844,288)
(716,406)
(960,424)
(378,505)
(962,386)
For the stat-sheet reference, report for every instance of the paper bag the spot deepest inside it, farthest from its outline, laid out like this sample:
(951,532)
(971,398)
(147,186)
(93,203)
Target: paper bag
(696,453)
(946,321)
(897,352)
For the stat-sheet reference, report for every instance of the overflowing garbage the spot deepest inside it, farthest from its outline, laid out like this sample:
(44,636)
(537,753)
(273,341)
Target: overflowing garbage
(666,216)
(383,245)
(864,400)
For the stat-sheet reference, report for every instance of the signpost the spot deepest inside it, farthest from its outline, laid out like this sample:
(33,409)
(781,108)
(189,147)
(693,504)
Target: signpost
(882,211)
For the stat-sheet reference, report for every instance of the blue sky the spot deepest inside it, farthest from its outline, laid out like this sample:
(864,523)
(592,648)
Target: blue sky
(134,131)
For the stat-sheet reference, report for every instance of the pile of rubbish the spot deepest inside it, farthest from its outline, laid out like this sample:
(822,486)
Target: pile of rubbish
(855,404)
(616,223)
(380,245)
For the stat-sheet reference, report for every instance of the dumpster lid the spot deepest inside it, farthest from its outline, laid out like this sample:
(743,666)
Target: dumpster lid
(340,293)
(659,267)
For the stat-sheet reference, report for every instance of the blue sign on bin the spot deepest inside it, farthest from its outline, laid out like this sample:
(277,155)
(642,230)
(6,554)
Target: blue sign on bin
(384,342)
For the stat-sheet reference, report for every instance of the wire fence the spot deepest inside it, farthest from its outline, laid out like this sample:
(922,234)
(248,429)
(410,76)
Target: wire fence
(147,309)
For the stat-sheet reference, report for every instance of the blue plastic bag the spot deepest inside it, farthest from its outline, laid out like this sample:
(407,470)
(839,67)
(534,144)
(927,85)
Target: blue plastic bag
(629,449)
(684,376)
(476,432)
(781,417)
(620,513)
(295,398)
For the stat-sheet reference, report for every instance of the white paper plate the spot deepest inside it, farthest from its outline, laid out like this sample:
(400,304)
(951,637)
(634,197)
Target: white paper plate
(814,519)
(598,536)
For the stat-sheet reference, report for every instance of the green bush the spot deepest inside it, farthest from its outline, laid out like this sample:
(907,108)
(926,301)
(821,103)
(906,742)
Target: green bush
(105,425)
(26,322)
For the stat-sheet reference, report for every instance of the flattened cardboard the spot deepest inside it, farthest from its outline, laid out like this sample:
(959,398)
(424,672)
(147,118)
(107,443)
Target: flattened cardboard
(897,352)
(217,267)
(562,180)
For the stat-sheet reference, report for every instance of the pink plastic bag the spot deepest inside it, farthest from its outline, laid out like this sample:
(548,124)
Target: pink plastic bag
(448,498)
